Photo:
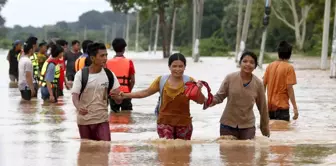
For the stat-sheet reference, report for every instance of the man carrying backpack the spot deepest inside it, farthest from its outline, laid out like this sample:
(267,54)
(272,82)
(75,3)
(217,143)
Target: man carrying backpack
(90,91)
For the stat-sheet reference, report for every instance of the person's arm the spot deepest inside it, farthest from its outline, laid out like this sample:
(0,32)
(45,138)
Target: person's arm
(28,67)
(153,88)
(265,79)
(140,94)
(291,80)
(29,78)
(222,93)
(132,82)
(263,111)
(76,87)
(132,76)
(8,56)
(290,91)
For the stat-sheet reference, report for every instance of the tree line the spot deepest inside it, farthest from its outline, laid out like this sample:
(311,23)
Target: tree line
(296,21)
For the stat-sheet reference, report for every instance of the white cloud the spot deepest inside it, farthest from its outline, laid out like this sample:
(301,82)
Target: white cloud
(41,12)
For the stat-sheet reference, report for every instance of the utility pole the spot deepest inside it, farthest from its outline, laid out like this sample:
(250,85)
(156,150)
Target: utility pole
(326,22)
(246,23)
(239,27)
(127,29)
(264,35)
(150,35)
(156,32)
(197,14)
(194,28)
(333,52)
(173,32)
(199,28)
(137,32)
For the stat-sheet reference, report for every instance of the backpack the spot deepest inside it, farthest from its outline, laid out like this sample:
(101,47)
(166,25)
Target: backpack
(85,78)
(162,82)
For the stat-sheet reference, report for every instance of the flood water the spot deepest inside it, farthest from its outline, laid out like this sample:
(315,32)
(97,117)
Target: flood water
(37,134)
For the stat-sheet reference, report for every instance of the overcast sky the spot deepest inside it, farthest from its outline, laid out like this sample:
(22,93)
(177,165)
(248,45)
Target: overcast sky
(43,12)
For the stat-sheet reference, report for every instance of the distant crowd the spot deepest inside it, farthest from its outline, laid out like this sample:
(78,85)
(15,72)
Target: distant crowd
(96,82)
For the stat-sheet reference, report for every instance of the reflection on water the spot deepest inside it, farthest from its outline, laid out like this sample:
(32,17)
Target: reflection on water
(93,153)
(41,133)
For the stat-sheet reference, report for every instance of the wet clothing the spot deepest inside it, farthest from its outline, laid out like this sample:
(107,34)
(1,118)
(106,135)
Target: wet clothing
(239,133)
(26,93)
(36,69)
(25,65)
(61,78)
(13,63)
(41,59)
(126,105)
(175,107)
(123,68)
(277,77)
(70,58)
(175,132)
(50,72)
(97,132)
(281,114)
(94,97)
(174,118)
(238,112)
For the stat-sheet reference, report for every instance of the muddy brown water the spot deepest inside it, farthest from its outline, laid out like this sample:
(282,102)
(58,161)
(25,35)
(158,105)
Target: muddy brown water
(38,134)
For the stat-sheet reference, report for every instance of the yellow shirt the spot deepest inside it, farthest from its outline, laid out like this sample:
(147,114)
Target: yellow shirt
(175,107)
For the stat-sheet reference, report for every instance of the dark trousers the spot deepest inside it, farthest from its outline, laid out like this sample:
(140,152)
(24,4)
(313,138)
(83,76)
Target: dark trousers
(26,94)
(36,87)
(98,132)
(280,114)
(125,105)
(45,93)
(240,134)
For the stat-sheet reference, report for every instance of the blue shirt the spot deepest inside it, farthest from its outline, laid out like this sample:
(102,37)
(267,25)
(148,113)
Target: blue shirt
(50,73)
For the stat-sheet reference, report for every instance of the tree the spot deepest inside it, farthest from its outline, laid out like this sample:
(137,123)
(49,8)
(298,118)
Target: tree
(299,24)
(121,5)
(160,7)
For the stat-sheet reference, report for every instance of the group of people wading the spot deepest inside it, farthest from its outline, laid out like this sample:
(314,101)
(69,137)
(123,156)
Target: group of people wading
(97,81)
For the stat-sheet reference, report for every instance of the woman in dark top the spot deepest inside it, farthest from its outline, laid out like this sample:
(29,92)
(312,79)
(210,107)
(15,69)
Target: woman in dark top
(13,61)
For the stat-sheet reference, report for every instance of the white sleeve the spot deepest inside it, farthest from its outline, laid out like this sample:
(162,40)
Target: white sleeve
(77,83)
(28,66)
(116,84)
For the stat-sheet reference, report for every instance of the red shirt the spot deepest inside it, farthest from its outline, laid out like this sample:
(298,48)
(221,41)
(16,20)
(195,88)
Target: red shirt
(62,70)
(132,68)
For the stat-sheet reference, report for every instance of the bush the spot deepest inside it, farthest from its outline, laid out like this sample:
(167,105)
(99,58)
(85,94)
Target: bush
(5,44)
(208,47)
(213,47)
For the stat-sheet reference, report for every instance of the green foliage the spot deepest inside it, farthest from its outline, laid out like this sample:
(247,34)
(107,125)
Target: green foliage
(213,47)
(219,26)
(5,43)
(208,47)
